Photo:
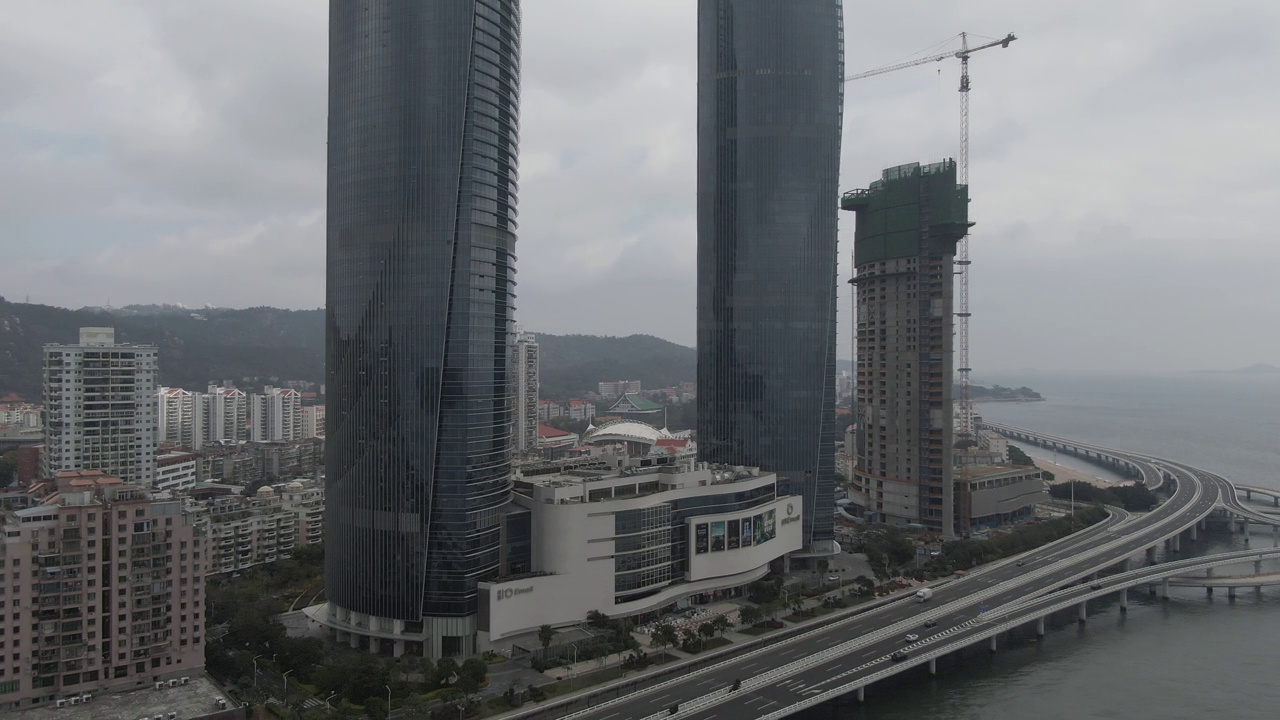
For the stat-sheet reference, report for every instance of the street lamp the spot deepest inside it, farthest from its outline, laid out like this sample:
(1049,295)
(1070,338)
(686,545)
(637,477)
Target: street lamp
(388,687)
(286,684)
(255,670)
(326,700)
(575,652)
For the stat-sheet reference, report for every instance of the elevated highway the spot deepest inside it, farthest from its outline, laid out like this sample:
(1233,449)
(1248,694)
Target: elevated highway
(781,676)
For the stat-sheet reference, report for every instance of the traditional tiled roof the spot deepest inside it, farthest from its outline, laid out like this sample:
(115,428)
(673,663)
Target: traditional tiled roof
(636,401)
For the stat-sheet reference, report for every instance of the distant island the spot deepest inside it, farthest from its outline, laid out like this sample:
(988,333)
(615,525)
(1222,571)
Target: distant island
(1000,393)
(1256,369)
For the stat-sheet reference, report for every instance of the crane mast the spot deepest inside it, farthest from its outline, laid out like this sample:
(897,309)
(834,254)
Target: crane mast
(965,431)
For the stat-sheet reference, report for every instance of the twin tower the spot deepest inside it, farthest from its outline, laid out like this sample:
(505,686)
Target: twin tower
(422,187)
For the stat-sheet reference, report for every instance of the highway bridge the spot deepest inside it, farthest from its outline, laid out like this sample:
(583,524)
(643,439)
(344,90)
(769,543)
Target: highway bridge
(782,674)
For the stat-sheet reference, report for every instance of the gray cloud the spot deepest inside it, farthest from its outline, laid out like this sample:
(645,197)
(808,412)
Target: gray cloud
(1124,170)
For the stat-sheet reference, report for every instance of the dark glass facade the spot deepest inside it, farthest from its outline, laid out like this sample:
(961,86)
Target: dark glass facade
(423,124)
(770,96)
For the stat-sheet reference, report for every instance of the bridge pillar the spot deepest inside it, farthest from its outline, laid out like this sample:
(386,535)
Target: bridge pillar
(933,666)
(1124,565)
(1164,588)
(1231,593)
(1194,535)
(1084,611)
(1208,572)
(1040,625)
(1208,591)
(1124,600)
(1257,567)
(1248,494)
(1275,501)
(1177,542)
(1257,590)
(993,643)
(862,694)
(1151,554)
(1275,536)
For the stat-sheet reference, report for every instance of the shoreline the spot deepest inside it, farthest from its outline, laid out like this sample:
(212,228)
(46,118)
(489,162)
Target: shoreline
(1062,474)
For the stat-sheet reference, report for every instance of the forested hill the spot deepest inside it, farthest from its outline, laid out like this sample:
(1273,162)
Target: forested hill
(261,345)
(196,346)
(572,364)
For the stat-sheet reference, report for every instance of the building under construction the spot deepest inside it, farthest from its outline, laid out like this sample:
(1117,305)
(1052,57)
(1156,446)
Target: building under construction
(908,224)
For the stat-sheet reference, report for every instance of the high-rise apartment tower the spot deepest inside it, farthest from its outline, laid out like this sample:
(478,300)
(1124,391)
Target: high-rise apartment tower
(527,383)
(100,407)
(770,98)
(423,131)
(105,591)
(908,224)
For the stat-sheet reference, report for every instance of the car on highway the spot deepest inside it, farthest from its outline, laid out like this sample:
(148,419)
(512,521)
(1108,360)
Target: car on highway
(833,578)
(899,656)
(911,638)
(1020,563)
(930,623)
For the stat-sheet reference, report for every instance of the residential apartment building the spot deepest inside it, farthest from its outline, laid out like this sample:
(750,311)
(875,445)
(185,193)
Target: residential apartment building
(908,224)
(226,413)
(104,590)
(525,366)
(617,388)
(548,409)
(312,421)
(20,415)
(100,407)
(182,417)
(275,414)
(177,471)
(269,526)
(580,409)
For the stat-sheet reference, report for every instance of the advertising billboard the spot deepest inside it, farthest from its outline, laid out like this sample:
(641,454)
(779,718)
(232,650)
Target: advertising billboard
(700,538)
(735,534)
(717,536)
(747,538)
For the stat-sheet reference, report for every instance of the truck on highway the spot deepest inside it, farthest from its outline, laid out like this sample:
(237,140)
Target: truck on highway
(924,594)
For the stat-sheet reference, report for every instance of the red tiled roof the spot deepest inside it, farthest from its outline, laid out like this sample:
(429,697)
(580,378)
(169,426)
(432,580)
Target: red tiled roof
(12,397)
(546,431)
(674,442)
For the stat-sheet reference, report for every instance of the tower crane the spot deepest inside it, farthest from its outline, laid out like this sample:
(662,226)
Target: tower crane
(962,261)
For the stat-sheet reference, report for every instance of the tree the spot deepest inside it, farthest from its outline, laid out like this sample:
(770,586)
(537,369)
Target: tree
(689,637)
(8,469)
(446,669)
(707,629)
(720,624)
(475,668)
(468,686)
(750,615)
(865,584)
(665,635)
(545,636)
(597,619)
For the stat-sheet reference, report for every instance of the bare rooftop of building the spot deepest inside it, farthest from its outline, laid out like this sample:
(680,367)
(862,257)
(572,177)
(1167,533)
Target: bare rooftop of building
(197,699)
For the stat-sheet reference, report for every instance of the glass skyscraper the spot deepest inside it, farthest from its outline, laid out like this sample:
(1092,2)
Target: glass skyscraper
(770,96)
(422,180)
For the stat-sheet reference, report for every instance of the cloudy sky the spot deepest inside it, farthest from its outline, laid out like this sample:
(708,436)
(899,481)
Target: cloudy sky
(1125,164)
